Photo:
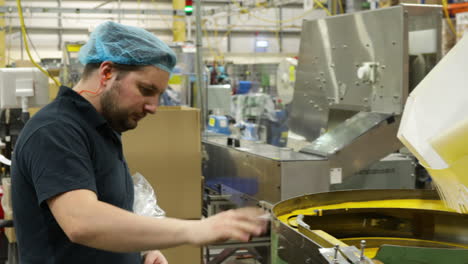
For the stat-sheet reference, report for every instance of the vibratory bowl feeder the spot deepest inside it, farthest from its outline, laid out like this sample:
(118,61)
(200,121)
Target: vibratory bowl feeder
(368,226)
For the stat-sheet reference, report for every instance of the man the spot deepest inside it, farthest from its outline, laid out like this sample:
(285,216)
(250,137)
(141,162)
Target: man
(71,189)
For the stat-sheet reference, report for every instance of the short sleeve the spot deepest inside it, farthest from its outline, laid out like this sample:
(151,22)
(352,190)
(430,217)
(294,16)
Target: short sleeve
(57,157)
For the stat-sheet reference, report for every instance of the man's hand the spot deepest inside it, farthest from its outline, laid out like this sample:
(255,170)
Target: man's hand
(239,224)
(154,257)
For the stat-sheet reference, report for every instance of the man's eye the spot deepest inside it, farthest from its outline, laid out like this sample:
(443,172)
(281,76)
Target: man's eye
(147,91)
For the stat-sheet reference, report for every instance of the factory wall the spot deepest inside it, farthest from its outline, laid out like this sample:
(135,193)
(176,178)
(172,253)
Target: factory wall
(224,32)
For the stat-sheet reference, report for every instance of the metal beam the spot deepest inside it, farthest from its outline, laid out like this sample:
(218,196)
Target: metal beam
(60,25)
(13,9)
(229,36)
(239,8)
(143,1)
(271,30)
(103,4)
(280,30)
(72,30)
(2,38)
(201,87)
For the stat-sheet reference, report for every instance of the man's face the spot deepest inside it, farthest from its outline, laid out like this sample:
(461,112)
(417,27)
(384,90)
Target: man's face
(133,96)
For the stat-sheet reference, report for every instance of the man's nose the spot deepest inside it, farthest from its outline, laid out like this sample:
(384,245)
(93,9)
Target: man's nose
(152,104)
(150,108)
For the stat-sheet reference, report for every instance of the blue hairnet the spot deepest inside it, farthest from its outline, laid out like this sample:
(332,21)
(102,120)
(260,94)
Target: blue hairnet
(128,45)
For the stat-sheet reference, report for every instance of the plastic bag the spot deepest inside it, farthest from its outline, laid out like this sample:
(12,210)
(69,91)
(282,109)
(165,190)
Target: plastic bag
(434,126)
(145,202)
(6,198)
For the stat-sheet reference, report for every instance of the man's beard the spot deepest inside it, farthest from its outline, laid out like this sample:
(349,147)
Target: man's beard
(118,118)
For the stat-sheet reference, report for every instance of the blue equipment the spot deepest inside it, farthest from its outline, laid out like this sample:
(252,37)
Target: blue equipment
(244,87)
(218,124)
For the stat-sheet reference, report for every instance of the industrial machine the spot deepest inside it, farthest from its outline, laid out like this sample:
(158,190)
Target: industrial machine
(285,79)
(70,72)
(354,74)
(383,226)
(352,81)
(219,99)
(20,88)
(368,226)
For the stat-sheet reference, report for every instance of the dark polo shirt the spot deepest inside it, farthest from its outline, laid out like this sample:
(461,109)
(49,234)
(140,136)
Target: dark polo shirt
(66,146)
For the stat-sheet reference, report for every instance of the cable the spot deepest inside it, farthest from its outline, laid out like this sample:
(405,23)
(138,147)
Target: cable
(231,27)
(282,21)
(205,32)
(26,45)
(87,91)
(139,9)
(340,2)
(277,32)
(9,41)
(321,6)
(447,16)
(163,19)
(216,39)
(33,46)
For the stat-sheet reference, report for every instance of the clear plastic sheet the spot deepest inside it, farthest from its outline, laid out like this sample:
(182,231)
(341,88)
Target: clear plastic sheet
(145,202)
(253,105)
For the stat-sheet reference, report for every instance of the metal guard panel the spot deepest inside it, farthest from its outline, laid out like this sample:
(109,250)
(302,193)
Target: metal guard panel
(345,133)
(331,51)
(262,150)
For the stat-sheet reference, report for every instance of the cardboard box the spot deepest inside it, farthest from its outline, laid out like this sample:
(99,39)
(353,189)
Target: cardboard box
(166,149)
(24,64)
(184,255)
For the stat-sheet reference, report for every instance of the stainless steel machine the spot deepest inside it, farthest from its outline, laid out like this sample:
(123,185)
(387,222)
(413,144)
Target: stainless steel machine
(257,172)
(361,65)
(364,226)
(354,74)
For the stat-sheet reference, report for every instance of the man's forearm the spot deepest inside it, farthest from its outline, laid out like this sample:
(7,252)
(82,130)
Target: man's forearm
(110,228)
(96,224)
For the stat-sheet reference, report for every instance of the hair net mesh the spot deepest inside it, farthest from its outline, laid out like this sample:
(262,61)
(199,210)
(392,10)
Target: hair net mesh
(128,45)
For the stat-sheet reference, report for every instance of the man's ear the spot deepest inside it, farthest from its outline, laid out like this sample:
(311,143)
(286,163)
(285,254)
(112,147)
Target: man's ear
(105,72)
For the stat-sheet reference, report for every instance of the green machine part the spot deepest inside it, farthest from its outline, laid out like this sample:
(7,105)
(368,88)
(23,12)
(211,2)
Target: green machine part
(390,254)
(275,259)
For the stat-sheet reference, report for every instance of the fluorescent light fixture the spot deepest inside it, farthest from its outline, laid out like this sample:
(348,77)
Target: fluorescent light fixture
(261,44)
